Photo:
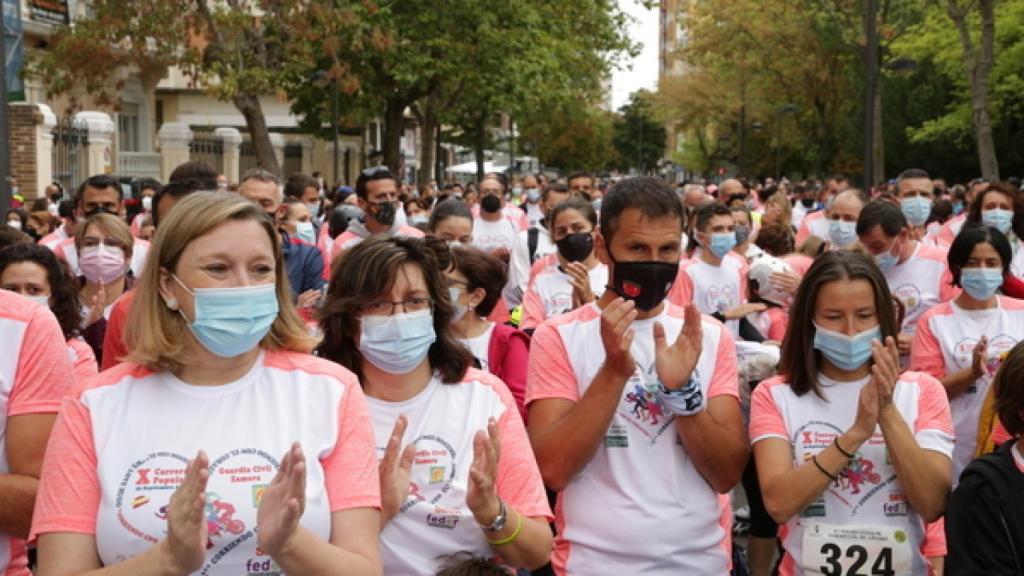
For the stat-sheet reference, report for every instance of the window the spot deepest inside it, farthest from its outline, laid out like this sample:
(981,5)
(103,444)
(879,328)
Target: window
(128,127)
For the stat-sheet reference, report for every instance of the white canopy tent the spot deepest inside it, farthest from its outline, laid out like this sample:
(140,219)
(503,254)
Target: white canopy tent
(470,168)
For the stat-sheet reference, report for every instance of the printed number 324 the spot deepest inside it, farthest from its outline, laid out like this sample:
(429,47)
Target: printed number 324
(881,567)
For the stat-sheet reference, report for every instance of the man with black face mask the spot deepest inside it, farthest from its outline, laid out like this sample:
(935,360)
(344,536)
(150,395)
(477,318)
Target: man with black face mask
(99,194)
(377,197)
(495,231)
(645,427)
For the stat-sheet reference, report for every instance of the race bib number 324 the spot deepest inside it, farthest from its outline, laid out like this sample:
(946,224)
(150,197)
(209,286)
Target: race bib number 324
(856,550)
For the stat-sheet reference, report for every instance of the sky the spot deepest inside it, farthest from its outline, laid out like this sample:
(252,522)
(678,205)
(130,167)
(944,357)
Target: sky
(644,72)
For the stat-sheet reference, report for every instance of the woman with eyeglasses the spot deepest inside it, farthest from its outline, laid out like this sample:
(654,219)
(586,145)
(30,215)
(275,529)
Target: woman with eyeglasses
(853,457)
(457,472)
(220,446)
(104,245)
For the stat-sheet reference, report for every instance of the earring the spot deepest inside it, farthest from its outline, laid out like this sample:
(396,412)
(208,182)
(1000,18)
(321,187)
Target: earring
(172,303)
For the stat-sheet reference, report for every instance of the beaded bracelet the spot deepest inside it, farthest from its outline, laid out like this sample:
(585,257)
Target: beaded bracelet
(515,534)
(840,448)
(822,468)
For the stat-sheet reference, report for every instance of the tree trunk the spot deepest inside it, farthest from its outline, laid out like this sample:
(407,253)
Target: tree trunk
(479,143)
(394,125)
(879,145)
(978,66)
(428,142)
(256,123)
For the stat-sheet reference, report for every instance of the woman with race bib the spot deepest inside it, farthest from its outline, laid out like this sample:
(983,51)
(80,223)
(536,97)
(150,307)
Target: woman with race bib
(853,457)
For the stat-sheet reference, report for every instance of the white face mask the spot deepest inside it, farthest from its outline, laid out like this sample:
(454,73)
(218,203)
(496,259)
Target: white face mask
(40,299)
(16,224)
(147,203)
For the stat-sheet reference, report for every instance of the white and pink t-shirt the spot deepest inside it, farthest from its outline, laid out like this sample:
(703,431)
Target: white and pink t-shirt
(511,212)
(504,234)
(949,231)
(349,238)
(921,282)
(865,518)
(53,238)
(944,344)
(550,294)
(815,224)
(442,422)
(640,506)
(122,441)
(35,373)
(712,289)
(66,250)
(83,359)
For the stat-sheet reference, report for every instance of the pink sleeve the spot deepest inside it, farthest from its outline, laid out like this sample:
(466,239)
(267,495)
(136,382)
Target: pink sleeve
(84,364)
(69,490)
(513,368)
(1000,434)
(802,233)
(934,545)
(744,273)
(765,419)
(44,372)
(925,355)
(519,483)
(350,470)
(681,293)
(114,348)
(533,308)
(933,407)
(779,324)
(724,380)
(947,291)
(550,375)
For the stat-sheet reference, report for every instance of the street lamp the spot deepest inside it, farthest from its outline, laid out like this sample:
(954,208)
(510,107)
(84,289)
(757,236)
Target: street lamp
(323,77)
(782,111)
(870,78)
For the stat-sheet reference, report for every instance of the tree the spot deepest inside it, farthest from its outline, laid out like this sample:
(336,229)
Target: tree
(639,137)
(575,136)
(978,59)
(237,50)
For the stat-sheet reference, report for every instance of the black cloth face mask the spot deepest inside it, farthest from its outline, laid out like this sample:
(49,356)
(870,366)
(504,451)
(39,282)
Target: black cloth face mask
(490,204)
(646,282)
(385,213)
(576,247)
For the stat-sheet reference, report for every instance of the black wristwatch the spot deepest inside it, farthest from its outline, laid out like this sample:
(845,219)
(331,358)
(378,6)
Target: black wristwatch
(499,521)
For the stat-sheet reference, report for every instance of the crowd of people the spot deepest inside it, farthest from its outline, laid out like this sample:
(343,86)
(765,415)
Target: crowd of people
(524,374)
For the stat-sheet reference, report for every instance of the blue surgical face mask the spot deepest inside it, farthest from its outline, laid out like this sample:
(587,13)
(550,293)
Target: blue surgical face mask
(533,195)
(398,343)
(845,352)
(886,260)
(916,209)
(232,321)
(981,283)
(721,243)
(958,208)
(596,204)
(998,218)
(304,231)
(39,299)
(842,233)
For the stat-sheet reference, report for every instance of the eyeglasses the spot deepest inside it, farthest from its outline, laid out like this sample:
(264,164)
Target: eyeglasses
(389,308)
(375,171)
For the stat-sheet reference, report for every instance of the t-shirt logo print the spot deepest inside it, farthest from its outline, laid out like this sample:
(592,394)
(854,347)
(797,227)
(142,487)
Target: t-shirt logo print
(631,289)
(642,408)
(859,471)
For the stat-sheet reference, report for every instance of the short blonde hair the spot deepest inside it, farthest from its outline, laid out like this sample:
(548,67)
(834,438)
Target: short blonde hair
(782,201)
(113,227)
(155,333)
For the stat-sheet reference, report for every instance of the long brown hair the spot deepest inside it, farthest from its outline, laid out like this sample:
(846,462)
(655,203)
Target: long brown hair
(367,272)
(800,361)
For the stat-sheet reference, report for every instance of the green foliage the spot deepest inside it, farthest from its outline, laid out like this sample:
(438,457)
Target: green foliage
(639,137)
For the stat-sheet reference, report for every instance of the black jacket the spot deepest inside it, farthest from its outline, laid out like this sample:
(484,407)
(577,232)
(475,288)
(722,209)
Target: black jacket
(985,519)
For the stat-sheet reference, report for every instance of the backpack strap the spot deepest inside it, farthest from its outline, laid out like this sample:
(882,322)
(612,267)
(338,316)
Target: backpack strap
(532,239)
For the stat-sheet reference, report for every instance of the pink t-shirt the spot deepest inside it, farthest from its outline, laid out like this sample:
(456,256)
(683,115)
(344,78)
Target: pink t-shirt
(949,231)
(120,446)
(82,359)
(640,506)
(944,344)
(867,507)
(713,289)
(550,294)
(443,419)
(815,224)
(921,283)
(35,373)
